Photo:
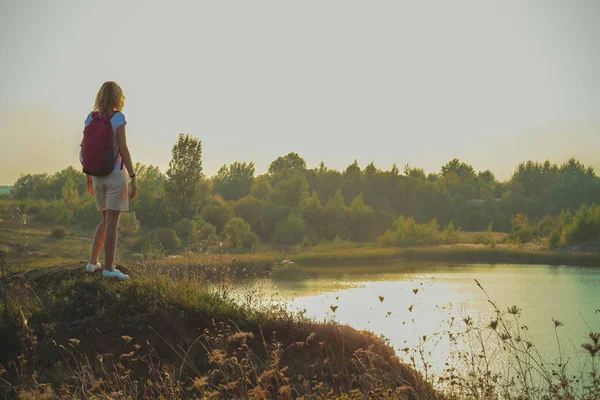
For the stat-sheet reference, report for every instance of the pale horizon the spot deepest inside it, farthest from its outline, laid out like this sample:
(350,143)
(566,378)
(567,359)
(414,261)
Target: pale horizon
(491,84)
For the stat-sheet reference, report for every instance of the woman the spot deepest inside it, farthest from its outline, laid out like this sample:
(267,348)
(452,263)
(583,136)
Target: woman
(111,191)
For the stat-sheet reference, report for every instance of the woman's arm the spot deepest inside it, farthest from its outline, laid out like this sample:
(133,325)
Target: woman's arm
(124,151)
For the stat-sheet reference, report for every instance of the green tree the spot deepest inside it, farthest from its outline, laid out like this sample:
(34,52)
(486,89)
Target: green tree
(451,234)
(463,171)
(207,232)
(261,188)
(352,181)
(312,212)
(218,212)
(362,220)
(129,224)
(69,201)
(272,215)
(411,172)
(184,188)
(167,238)
(234,181)
(585,226)
(238,233)
(327,182)
(486,238)
(291,162)
(290,192)
(150,203)
(58,180)
(290,231)
(250,209)
(26,185)
(407,232)
(554,237)
(336,217)
(186,229)
(86,214)
(521,231)
(384,221)
(69,194)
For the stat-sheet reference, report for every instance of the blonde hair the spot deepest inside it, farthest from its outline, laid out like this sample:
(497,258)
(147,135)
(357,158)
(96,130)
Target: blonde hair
(110,97)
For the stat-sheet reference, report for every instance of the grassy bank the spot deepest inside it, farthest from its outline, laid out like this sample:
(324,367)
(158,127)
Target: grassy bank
(249,265)
(458,254)
(258,264)
(67,334)
(31,247)
(172,333)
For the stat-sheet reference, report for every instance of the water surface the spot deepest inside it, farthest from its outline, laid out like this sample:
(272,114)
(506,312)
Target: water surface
(404,302)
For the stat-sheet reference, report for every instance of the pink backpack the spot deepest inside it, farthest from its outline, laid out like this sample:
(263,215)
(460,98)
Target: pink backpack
(98,155)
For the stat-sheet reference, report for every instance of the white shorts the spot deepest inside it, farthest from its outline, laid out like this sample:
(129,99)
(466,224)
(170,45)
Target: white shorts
(112,191)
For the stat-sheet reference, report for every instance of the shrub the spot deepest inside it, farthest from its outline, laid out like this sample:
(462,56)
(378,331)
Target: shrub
(152,248)
(565,217)
(51,214)
(238,233)
(58,232)
(451,235)
(554,238)
(290,231)
(206,232)
(585,226)
(218,214)
(250,240)
(387,239)
(410,233)
(34,207)
(407,232)
(261,188)
(306,242)
(166,237)
(338,243)
(185,228)
(129,223)
(485,238)
(87,215)
(384,220)
(250,209)
(547,225)
(521,231)
(363,223)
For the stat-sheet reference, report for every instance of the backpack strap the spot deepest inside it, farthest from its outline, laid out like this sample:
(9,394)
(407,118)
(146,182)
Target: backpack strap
(118,152)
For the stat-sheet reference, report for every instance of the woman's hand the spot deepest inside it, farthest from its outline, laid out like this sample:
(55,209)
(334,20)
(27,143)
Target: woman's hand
(133,190)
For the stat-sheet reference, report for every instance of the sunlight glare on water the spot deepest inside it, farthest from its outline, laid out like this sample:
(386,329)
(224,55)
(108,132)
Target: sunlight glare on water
(405,303)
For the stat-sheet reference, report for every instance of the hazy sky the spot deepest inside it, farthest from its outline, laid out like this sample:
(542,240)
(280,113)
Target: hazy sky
(493,83)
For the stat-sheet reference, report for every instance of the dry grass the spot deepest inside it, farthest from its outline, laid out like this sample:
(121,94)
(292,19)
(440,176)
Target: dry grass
(467,237)
(178,335)
(156,336)
(457,253)
(35,247)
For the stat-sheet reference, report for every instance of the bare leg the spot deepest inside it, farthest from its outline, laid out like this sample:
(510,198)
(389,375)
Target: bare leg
(110,240)
(98,240)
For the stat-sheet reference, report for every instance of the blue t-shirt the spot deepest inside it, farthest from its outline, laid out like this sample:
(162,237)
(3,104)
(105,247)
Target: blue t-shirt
(116,121)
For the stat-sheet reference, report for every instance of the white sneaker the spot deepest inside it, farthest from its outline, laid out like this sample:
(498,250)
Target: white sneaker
(114,274)
(91,268)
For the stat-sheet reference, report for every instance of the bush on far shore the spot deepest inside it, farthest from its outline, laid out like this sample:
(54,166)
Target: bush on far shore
(407,232)
(58,232)
(166,237)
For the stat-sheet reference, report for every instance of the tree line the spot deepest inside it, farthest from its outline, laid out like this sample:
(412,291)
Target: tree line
(292,204)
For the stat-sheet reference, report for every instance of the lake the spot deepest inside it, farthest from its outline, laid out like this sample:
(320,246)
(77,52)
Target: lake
(405,302)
